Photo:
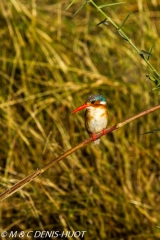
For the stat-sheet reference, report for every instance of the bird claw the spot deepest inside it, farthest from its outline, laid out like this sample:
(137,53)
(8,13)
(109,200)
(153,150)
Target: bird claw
(104,131)
(93,136)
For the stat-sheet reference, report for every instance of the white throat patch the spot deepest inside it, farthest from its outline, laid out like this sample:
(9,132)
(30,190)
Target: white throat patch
(102,102)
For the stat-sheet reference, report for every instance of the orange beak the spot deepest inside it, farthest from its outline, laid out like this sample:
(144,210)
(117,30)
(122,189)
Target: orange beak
(85,105)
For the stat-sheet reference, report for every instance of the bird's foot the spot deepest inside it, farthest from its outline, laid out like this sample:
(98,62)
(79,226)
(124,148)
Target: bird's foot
(104,131)
(93,136)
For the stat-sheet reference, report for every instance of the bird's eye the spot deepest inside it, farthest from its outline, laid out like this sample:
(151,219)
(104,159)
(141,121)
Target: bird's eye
(92,102)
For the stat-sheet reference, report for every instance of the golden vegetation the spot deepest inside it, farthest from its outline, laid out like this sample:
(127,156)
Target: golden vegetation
(49,63)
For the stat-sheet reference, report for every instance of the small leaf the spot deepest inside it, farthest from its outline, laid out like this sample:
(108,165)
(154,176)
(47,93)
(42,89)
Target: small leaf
(123,36)
(110,4)
(124,21)
(151,77)
(104,21)
(152,131)
(142,52)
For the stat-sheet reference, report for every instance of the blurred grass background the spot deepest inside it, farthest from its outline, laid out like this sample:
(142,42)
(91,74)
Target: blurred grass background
(50,63)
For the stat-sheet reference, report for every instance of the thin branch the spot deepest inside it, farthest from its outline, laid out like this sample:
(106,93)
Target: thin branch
(29,178)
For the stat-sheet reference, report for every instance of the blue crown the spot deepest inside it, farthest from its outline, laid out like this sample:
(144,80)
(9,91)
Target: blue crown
(96,97)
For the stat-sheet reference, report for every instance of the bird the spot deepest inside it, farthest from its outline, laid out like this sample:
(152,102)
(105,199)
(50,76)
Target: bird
(96,115)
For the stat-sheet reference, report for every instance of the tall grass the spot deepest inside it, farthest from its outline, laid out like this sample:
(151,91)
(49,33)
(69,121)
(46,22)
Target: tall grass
(49,63)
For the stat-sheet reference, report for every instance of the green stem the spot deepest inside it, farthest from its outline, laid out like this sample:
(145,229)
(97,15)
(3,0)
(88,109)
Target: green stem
(126,38)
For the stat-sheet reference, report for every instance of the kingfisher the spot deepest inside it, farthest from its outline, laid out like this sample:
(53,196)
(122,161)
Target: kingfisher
(96,115)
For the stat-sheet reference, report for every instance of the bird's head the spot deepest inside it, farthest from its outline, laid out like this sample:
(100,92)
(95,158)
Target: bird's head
(95,100)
